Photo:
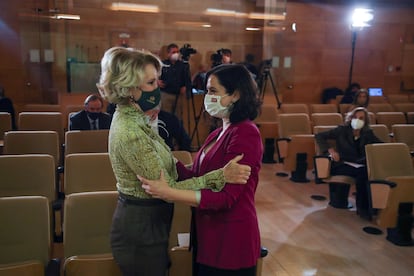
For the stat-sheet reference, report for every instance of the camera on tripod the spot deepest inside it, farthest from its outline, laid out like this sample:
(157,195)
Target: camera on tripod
(267,64)
(217,58)
(186,51)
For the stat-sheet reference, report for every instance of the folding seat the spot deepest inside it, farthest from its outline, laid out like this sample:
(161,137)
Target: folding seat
(267,122)
(88,172)
(326,119)
(181,256)
(31,174)
(339,185)
(35,142)
(5,125)
(41,108)
(382,132)
(323,108)
(42,121)
(344,109)
(317,129)
(86,241)
(391,190)
(291,125)
(380,107)
(397,98)
(78,141)
(32,142)
(25,237)
(410,117)
(404,107)
(294,108)
(404,133)
(390,118)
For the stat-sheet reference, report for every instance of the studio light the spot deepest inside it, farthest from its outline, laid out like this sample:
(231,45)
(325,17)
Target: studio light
(360,19)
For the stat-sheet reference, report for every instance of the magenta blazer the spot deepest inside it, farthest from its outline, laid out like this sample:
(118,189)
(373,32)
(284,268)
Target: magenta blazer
(227,228)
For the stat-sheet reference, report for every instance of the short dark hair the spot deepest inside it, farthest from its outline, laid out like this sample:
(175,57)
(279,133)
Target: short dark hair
(235,77)
(92,98)
(170,46)
(225,51)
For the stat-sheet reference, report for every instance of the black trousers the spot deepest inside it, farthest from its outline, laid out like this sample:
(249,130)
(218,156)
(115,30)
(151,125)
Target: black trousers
(204,270)
(361,183)
(139,236)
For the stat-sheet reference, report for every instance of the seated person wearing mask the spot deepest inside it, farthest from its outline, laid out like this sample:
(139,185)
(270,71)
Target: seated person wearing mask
(349,155)
(92,117)
(169,128)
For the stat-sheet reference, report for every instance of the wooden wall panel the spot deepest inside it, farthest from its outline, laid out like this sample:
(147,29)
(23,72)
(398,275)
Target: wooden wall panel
(320,50)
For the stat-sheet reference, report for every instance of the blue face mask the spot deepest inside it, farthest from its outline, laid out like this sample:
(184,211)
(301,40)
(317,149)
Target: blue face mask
(149,99)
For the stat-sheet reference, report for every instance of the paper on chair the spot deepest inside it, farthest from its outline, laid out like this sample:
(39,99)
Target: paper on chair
(355,165)
(183,239)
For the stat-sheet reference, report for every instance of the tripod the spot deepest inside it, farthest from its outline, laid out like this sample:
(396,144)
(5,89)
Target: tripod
(263,82)
(190,98)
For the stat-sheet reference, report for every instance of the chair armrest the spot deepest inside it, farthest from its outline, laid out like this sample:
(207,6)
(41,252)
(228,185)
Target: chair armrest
(282,147)
(322,165)
(379,191)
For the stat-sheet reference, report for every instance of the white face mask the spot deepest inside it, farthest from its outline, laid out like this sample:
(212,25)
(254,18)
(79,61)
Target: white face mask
(212,104)
(152,121)
(357,123)
(175,56)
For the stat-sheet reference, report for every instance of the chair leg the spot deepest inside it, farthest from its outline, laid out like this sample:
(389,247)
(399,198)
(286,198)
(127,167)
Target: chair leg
(338,194)
(299,175)
(401,234)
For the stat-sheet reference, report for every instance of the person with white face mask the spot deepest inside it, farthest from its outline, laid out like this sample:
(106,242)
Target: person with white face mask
(349,154)
(174,77)
(227,233)
(141,224)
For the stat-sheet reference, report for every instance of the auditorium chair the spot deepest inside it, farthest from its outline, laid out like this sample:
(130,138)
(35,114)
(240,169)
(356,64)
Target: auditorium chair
(86,234)
(391,190)
(25,238)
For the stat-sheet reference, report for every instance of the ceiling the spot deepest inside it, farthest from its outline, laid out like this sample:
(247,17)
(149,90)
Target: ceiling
(387,3)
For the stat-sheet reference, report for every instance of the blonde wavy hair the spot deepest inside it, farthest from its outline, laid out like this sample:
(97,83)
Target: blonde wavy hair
(121,70)
(351,115)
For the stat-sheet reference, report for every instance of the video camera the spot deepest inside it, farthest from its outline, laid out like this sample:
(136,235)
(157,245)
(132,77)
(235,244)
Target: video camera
(186,51)
(217,58)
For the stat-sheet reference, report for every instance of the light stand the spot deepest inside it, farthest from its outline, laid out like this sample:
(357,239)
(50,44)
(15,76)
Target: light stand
(354,37)
(360,19)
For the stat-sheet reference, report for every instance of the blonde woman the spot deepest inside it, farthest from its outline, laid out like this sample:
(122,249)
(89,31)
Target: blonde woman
(141,224)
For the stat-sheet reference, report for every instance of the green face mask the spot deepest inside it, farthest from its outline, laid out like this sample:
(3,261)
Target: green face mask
(149,99)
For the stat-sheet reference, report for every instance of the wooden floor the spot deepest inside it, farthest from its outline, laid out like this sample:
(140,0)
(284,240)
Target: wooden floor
(309,237)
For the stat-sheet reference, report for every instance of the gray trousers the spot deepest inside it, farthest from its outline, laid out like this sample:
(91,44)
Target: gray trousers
(139,236)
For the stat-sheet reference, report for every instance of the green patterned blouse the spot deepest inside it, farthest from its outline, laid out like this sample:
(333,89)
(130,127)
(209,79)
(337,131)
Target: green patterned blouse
(135,149)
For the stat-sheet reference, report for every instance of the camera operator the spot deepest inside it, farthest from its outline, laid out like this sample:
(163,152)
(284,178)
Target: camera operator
(222,56)
(172,82)
(226,56)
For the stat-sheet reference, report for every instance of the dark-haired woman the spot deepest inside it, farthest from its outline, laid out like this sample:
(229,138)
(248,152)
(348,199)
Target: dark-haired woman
(227,231)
